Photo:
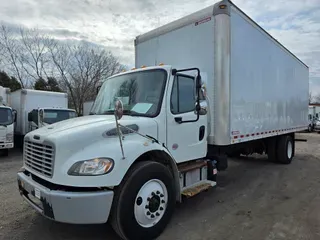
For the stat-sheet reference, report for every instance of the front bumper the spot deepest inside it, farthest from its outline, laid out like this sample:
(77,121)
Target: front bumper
(66,206)
(6,145)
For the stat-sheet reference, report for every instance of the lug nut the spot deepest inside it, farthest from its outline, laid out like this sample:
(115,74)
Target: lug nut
(139,201)
(153,194)
(161,195)
(152,216)
(158,192)
(147,206)
(161,208)
(148,199)
(157,214)
(148,213)
(162,201)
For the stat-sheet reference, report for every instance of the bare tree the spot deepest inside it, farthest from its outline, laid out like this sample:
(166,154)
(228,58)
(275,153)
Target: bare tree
(34,56)
(82,68)
(78,66)
(10,53)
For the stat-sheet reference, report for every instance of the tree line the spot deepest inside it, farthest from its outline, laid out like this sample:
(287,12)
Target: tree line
(32,59)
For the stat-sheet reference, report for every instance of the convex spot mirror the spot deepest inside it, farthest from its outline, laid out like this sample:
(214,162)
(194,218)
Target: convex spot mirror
(118,109)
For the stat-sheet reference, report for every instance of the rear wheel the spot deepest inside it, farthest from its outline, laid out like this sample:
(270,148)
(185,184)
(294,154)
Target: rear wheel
(285,149)
(272,150)
(144,202)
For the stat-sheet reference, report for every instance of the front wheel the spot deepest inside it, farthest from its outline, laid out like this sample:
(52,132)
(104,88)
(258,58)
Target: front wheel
(144,202)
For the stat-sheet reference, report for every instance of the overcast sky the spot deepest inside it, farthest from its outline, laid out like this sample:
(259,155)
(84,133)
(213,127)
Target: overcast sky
(115,23)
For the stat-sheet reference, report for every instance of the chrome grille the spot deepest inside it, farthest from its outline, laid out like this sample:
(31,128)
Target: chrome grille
(39,157)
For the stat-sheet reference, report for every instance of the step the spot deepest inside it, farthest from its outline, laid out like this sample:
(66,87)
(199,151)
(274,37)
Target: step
(191,166)
(197,188)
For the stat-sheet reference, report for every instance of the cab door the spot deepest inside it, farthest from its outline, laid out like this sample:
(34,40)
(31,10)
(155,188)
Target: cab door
(185,140)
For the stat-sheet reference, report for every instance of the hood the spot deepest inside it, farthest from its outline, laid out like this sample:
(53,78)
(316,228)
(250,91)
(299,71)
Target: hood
(92,123)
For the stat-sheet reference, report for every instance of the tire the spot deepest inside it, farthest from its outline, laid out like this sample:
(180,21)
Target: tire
(134,200)
(5,152)
(285,149)
(272,150)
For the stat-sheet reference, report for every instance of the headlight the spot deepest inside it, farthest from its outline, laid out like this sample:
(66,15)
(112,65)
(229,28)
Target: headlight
(9,137)
(92,167)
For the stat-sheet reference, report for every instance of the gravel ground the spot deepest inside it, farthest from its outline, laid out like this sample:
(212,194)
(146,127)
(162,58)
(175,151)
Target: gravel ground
(255,199)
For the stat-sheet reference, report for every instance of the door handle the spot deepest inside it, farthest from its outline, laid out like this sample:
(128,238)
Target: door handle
(178,119)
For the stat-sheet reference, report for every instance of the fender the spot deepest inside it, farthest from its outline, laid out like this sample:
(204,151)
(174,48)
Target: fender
(136,148)
(161,154)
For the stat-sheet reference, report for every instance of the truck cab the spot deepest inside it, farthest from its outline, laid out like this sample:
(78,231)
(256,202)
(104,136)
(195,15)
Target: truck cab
(6,129)
(45,116)
(160,106)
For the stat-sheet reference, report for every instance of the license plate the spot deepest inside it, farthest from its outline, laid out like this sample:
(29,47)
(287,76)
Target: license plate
(37,193)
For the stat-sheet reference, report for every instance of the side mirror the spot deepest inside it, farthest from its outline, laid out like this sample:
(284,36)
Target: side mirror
(30,116)
(198,89)
(98,89)
(14,115)
(41,115)
(118,109)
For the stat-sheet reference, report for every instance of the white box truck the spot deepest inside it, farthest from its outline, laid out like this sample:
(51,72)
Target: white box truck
(6,121)
(228,88)
(87,107)
(36,108)
(314,121)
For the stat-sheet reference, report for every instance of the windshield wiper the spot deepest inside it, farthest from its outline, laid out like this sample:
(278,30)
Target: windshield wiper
(132,113)
(108,112)
(125,112)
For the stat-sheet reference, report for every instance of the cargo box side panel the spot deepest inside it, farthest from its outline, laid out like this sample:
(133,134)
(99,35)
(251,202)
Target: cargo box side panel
(269,86)
(146,53)
(189,46)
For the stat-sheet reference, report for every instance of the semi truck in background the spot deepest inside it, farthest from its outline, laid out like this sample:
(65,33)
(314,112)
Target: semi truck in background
(87,107)
(159,132)
(36,108)
(6,121)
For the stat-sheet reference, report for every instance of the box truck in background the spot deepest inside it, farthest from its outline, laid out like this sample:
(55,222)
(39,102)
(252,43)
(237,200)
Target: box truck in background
(314,121)
(228,88)
(87,107)
(36,109)
(6,121)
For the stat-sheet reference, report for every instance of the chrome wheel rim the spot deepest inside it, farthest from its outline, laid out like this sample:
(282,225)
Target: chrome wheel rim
(151,203)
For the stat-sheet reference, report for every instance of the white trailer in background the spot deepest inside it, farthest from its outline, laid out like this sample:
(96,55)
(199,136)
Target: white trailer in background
(6,121)
(36,109)
(228,88)
(87,107)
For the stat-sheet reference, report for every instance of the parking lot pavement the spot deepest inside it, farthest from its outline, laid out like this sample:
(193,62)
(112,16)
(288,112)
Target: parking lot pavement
(255,199)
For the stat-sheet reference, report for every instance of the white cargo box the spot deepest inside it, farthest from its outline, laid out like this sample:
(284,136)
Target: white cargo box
(25,100)
(256,87)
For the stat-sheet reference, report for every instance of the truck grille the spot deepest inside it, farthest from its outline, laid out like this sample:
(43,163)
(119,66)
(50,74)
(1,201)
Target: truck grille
(39,157)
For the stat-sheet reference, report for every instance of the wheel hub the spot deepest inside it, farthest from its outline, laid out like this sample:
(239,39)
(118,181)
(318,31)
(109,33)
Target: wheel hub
(151,203)
(154,204)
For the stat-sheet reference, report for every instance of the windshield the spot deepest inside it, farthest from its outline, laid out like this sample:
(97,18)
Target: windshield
(55,115)
(6,116)
(140,92)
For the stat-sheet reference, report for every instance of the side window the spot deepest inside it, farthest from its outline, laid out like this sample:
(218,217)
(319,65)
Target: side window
(183,97)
